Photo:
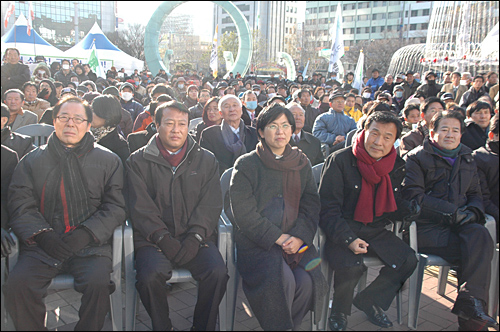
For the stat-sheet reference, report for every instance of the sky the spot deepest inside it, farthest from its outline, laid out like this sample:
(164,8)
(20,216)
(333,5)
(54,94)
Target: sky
(202,11)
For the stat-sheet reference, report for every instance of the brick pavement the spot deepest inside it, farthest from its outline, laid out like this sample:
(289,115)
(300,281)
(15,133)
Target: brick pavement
(435,315)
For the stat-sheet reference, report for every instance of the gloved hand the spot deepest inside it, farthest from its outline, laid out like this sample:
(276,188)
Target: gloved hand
(43,94)
(465,215)
(188,251)
(7,243)
(169,246)
(414,211)
(53,245)
(77,239)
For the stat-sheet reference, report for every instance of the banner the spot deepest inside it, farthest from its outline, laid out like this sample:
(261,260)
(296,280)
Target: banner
(358,73)
(10,10)
(304,74)
(94,63)
(213,56)
(337,43)
(31,17)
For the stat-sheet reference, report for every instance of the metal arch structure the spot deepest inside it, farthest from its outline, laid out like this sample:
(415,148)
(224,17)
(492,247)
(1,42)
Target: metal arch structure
(152,35)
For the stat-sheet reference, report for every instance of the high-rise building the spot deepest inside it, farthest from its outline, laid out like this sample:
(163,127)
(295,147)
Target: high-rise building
(276,21)
(54,20)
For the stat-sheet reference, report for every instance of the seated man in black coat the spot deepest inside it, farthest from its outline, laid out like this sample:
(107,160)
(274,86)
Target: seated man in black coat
(360,195)
(175,202)
(476,125)
(309,144)
(486,158)
(442,177)
(65,200)
(232,138)
(21,144)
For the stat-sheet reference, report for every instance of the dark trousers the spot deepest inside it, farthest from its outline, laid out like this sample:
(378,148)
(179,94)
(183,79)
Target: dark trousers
(153,272)
(299,293)
(28,282)
(381,291)
(471,248)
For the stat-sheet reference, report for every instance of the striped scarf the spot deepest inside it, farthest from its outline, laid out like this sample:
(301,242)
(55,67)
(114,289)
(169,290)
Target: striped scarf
(66,185)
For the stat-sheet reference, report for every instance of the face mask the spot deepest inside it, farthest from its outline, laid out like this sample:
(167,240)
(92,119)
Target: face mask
(463,82)
(180,86)
(127,96)
(366,95)
(271,95)
(41,72)
(251,105)
(137,83)
(257,93)
(399,94)
(65,66)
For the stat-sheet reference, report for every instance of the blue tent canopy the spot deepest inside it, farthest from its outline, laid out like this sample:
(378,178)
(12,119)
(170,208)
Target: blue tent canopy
(18,35)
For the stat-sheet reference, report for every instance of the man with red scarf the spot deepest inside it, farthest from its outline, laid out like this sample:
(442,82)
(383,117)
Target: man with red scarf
(360,195)
(175,201)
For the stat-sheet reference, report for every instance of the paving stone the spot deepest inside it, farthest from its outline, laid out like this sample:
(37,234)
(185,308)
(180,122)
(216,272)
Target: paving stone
(53,320)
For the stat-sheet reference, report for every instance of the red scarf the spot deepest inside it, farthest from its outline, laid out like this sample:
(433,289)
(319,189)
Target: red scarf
(373,172)
(173,159)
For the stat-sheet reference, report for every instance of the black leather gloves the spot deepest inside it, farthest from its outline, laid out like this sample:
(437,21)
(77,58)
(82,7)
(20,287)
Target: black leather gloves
(77,239)
(188,251)
(53,245)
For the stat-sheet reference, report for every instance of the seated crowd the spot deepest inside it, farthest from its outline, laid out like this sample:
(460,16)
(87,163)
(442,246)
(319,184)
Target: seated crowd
(123,149)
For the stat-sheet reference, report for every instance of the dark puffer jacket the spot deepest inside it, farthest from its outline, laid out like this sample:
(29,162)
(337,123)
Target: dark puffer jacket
(187,200)
(440,189)
(474,136)
(103,172)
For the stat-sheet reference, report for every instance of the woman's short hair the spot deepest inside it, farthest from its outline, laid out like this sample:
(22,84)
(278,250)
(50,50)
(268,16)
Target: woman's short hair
(385,117)
(477,106)
(108,108)
(271,113)
(69,98)
(436,119)
(409,108)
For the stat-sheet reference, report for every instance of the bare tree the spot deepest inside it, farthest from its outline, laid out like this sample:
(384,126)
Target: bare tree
(130,40)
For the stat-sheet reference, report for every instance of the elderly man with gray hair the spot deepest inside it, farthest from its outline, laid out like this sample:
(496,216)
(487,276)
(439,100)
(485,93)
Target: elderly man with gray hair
(232,138)
(310,145)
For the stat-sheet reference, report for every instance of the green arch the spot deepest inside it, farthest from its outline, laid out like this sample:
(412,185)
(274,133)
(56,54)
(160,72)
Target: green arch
(152,35)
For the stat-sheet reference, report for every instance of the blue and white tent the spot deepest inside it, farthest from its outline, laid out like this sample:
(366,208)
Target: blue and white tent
(28,46)
(108,54)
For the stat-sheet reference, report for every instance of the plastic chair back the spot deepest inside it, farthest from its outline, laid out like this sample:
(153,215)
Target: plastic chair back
(39,132)
(193,123)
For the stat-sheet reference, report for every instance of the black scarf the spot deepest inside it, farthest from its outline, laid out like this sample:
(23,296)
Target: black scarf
(66,184)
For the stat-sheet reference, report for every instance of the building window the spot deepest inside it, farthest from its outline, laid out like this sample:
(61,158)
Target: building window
(425,26)
(394,15)
(426,12)
(414,13)
(333,8)
(363,18)
(413,27)
(358,30)
(367,30)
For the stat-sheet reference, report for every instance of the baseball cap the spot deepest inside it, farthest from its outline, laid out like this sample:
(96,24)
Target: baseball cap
(446,95)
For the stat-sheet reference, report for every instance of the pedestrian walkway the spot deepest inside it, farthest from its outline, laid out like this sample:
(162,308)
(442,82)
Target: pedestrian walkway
(435,315)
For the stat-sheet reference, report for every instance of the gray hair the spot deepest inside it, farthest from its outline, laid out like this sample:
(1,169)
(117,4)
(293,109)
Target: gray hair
(294,104)
(226,97)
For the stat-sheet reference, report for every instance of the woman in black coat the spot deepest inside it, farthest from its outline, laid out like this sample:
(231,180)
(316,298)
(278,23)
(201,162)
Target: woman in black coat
(107,115)
(211,117)
(275,203)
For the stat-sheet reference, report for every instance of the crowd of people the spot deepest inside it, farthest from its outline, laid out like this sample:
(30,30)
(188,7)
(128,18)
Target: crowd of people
(152,149)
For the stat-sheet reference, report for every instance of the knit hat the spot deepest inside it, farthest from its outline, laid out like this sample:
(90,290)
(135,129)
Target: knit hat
(127,85)
(111,91)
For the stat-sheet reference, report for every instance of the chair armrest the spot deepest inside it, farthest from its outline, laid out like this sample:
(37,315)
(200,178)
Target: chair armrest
(413,236)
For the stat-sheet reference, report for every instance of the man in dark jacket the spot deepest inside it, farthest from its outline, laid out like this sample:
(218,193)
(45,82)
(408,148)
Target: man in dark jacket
(430,88)
(232,138)
(309,144)
(477,124)
(359,192)
(13,73)
(126,123)
(311,112)
(416,137)
(197,110)
(410,85)
(127,100)
(65,74)
(65,200)
(175,202)
(21,144)
(442,177)
(486,158)
(474,93)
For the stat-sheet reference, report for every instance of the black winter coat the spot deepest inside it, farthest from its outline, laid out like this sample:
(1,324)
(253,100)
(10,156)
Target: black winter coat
(9,163)
(117,144)
(211,139)
(256,194)
(440,189)
(14,76)
(21,144)
(311,115)
(487,168)
(187,200)
(141,138)
(311,146)
(339,190)
(471,96)
(474,136)
(103,172)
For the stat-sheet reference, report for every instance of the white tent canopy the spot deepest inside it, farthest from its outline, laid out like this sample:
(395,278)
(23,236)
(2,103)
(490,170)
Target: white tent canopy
(28,46)
(107,53)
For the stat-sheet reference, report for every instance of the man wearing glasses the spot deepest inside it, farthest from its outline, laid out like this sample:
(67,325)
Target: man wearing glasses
(65,200)
(332,127)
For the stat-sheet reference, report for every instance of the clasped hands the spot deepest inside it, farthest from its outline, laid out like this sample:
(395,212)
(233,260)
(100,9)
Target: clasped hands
(289,244)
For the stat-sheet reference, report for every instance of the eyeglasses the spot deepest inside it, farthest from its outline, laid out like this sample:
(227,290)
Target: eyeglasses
(213,110)
(275,127)
(65,118)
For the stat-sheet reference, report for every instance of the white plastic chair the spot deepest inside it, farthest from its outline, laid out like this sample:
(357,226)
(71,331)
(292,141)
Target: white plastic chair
(193,123)
(416,279)
(66,281)
(368,261)
(40,132)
